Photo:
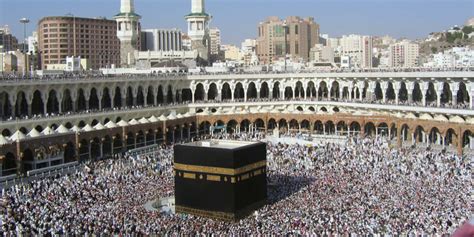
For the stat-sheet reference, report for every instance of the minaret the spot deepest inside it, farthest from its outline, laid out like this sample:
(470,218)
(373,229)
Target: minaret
(128,29)
(198,29)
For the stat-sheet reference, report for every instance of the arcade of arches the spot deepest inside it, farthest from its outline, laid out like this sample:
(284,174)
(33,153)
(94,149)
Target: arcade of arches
(33,101)
(40,152)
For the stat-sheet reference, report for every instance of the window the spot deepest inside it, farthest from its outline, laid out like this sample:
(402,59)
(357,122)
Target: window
(296,29)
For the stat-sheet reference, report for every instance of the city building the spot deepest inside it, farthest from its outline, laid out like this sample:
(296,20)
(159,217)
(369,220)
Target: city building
(198,29)
(7,40)
(231,53)
(33,43)
(215,35)
(249,52)
(292,37)
(322,54)
(128,32)
(161,47)
(186,42)
(94,39)
(9,62)
(404,54)
(359,48)
(454,57)
(161,40)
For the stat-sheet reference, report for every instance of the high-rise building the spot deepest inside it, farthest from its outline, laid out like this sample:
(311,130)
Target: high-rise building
(367,51)
(161,40)
(9,42)
(359,48)
(33,43)
(404,54)
(128,32)
(278,38)
(198,29)
(215,35)
(322,54)
(94,39)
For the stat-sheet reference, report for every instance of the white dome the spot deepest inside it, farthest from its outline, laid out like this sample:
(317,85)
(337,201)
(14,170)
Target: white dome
(47,131)
(440,117)
(75,129)
(62,129)
(110,124)
(143,120)
(410,116)
(171,117)
(3,140)
(99,126)
(122,123)
(153,119)
(470,120)
(18,135)
(457,119)
(162,118)
(181,116)
(87,128)
(133,122)
(426,117)
(33,133)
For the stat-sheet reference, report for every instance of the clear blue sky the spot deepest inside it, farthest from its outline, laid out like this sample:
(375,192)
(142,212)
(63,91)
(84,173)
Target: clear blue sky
(238,19)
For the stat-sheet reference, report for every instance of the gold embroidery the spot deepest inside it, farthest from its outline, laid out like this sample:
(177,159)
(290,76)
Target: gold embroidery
(189,176)
(219,170)
(213,177)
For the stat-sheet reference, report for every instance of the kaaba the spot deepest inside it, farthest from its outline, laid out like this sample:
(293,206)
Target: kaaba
(220,179)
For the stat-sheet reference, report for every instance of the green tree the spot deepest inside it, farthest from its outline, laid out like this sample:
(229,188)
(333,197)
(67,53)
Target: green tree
(467,29)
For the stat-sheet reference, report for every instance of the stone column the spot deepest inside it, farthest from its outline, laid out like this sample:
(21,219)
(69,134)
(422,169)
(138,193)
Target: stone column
(232,91)
(455,96)
(99,96)
(384,87)
(396,88)
(101,149)
(410,87)
(124,100)
(45,103)
(471,100)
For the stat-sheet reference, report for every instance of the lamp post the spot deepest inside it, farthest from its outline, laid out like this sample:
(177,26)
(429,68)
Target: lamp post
(285,27)
(1,62)
(24,21)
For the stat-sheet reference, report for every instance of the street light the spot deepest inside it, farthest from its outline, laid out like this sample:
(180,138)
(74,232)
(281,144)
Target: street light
(24,21)
(1,62)
(285,27)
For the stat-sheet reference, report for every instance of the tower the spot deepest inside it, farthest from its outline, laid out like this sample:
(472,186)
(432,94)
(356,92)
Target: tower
(128,30)
(198,29)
